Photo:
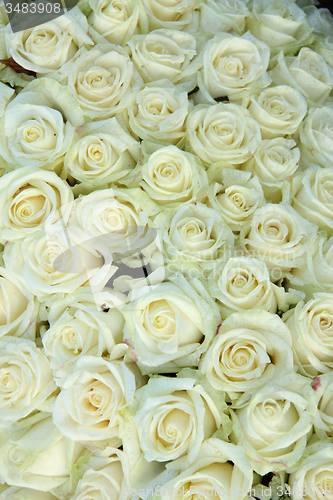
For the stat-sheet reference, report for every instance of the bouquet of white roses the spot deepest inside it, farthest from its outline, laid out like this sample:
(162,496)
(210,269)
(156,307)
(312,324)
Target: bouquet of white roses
(166,266)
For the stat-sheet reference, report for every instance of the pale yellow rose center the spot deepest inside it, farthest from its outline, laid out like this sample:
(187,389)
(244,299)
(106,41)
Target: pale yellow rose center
(18,456)
(72,339)
(8,383)
(159,319)
(98,398)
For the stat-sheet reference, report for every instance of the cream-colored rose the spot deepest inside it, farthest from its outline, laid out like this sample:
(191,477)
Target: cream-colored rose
(196,232)
(170,177)
(222,132)
(324,47)
(100,80)
(312,477)
(317,275)
(105,478)
(157,113)
(274,161)
(36,455)
(116,220)
(118,20)
(281,24)
(233,66)
(323,424)
(88,406)
(218,16)
(170,14)
(78,329)
(308,73)
(235,195)
(243,284)
(48,263)
(171,326)
(273,427)
(27,197)
(110,211)
(278,111)
(311,327)
(174,417)
(165,53)
(320,19)
(101,153)
(18,308)
(251,348)
(221,470)
(279,236)
(49,46)
(316,134)
(26,379)
(312,193)
(38,125)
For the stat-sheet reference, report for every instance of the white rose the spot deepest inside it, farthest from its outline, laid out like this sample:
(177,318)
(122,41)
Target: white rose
(274,161)
(51,263)
(318,273)
(171,326)
(105,478)
(281,24)
(273,427)
(78,329)
(101,153)
(323,424)
(320,19)
(235,195)
(243,284)
(233,66)
(278,111)
(47,47)
(279,236)
(196,232)
(324,47)
(117,21)
(100,80)
(312,477)
(165,53)
(27,197)
(308,73)
(317,138)
(312,197)
(250,349)
(174,417)
(223,15)
(88,406)
(170,177)
(221,470)
(26,379)
(170,14)
(222,132)
(18,308)
(110,211)
(157,113)
(36,455)
(38,125)
(311,327)
(115,220)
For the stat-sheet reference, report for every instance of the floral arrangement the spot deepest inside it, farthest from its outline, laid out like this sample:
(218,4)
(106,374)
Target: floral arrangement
(166,267)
